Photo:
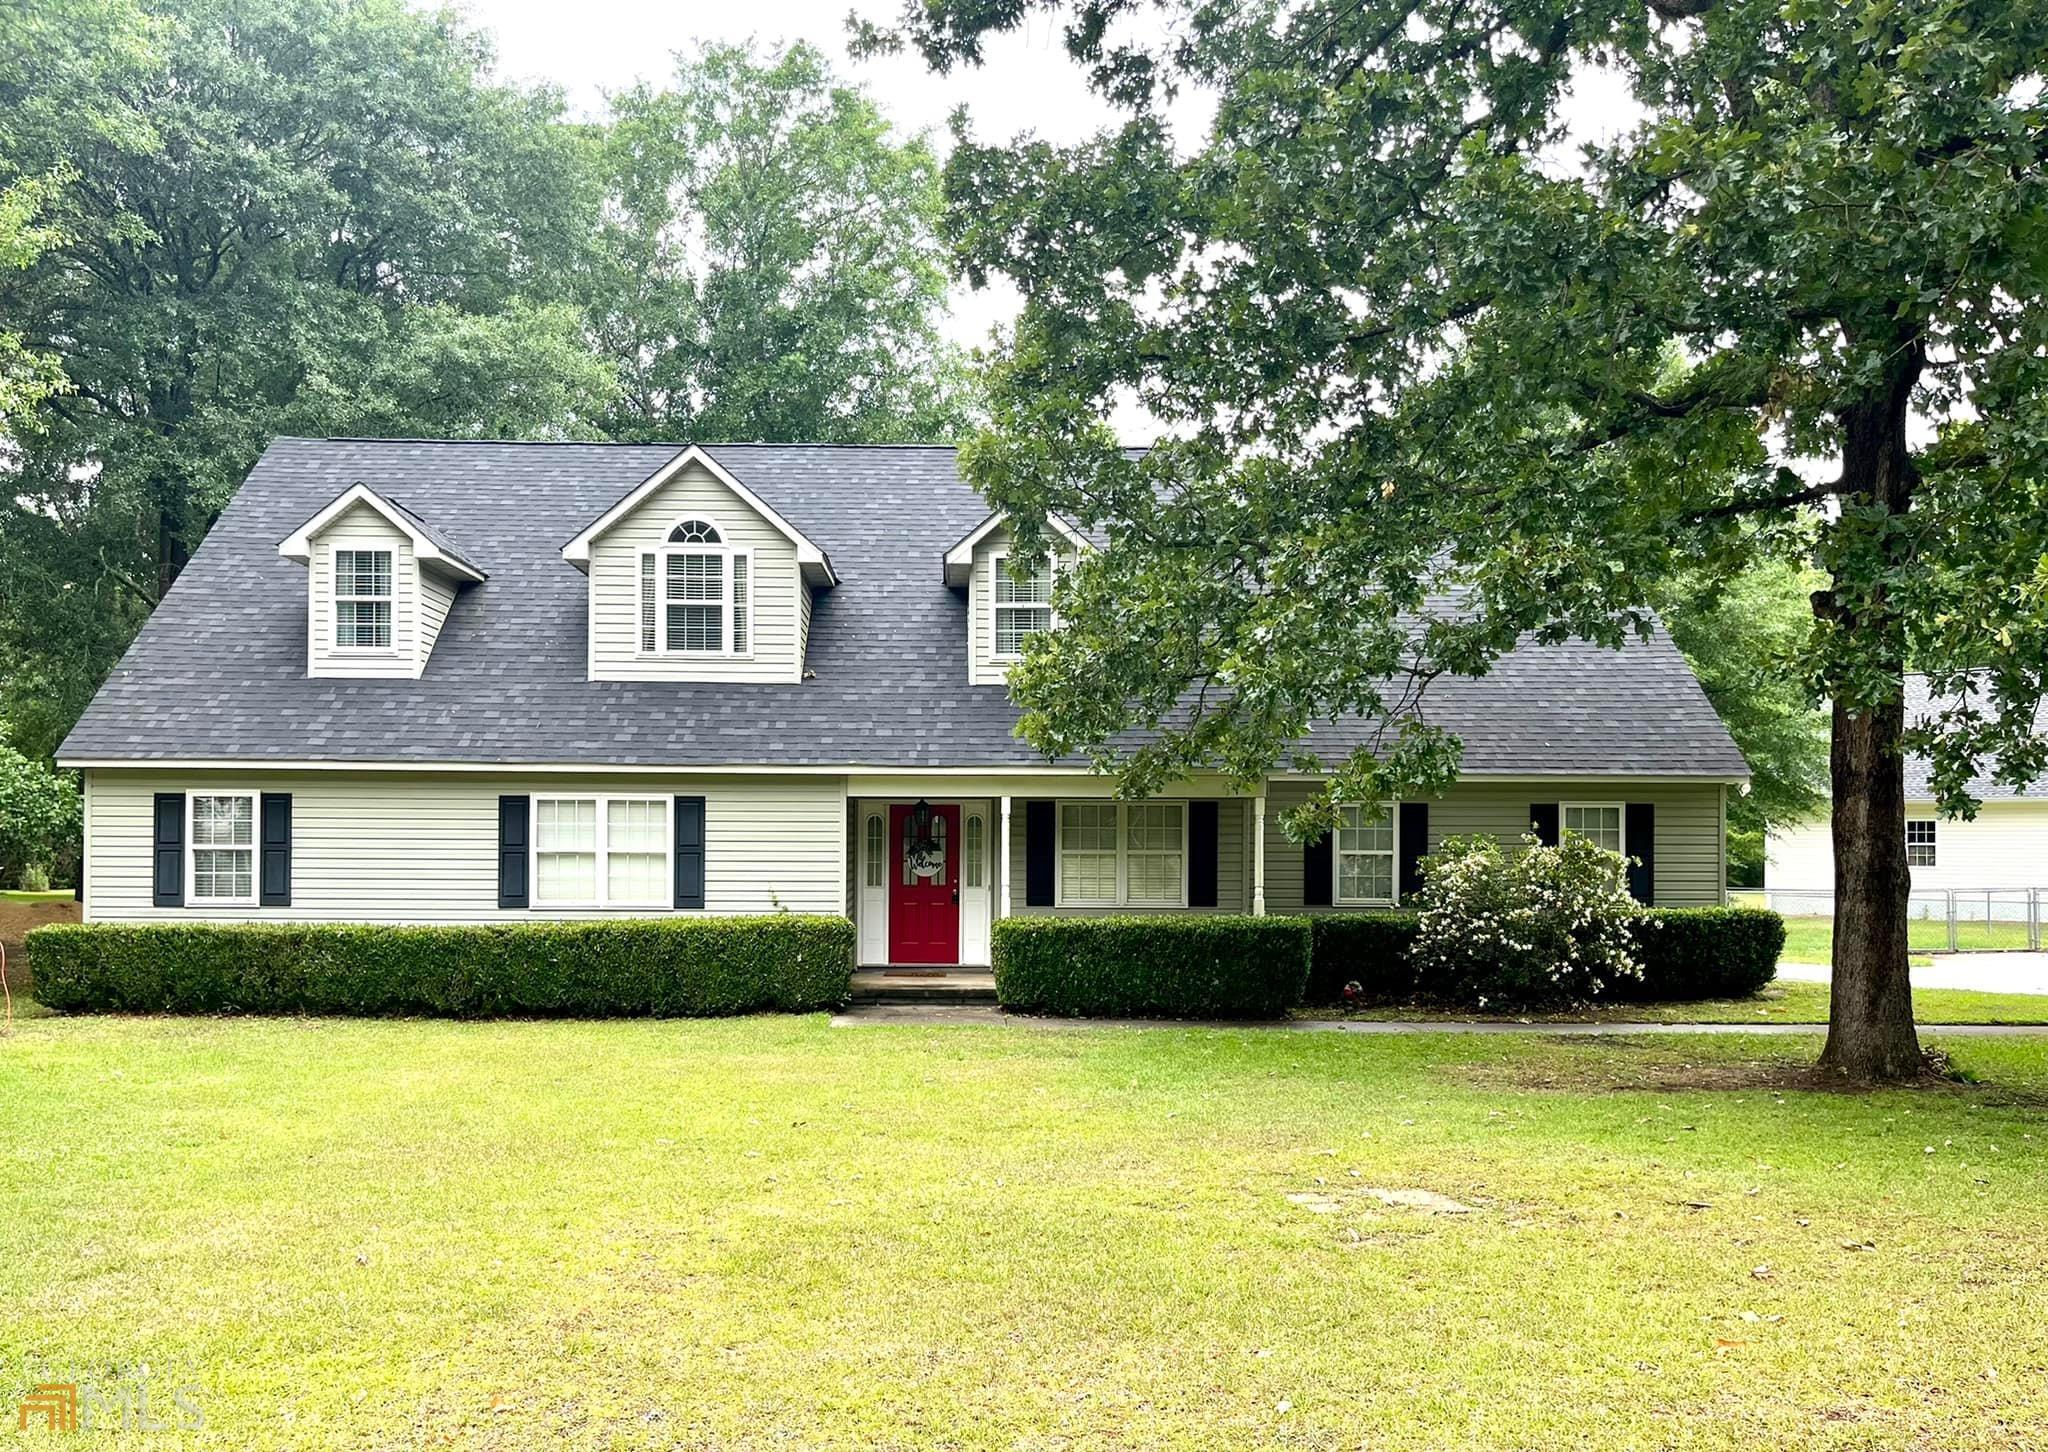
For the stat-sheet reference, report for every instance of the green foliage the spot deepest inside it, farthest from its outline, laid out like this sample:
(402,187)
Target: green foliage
(1362,958)
(1685,954)
(1195,966)
(40,816)
(1742,635)
(770,266)
(1704,952)
(661,968)
(1526,927)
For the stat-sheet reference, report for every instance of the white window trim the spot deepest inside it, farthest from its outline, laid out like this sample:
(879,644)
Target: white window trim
(1620,810)
(1123,854)
(667,903)
(334,553)
(1337,855)
(1933,844)
(660,554)
(996,564)
(193,847)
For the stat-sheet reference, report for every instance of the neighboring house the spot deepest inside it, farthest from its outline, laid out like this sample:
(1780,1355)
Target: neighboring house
(489,682)
(2004,851)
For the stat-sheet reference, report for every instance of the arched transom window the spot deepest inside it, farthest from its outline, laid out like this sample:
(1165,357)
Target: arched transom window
(696,593)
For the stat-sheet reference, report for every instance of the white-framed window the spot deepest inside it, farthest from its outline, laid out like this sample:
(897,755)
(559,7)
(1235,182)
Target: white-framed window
(972,847)
(1598,822)
(697,593)
(220,832)
(1021,608)
(875,857)
(1920,843)
(362,599)
(1122,854)
(603,852)
(1363,856)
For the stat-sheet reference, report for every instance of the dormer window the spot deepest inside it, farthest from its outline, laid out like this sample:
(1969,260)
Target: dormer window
(362,599)
(696,594)
(1022,607)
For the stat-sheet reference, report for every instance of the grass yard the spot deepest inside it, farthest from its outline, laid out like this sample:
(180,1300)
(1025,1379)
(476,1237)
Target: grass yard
(1812,939)
(1781,1002)
(345,1234)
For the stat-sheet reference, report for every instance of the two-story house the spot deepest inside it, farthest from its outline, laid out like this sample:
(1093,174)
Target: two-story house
(410,681)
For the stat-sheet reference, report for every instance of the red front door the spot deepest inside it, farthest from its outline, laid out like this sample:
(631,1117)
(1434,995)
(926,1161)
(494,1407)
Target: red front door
(924,887)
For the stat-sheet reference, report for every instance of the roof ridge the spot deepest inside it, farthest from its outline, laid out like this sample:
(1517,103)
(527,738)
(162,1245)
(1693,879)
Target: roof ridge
(611,443)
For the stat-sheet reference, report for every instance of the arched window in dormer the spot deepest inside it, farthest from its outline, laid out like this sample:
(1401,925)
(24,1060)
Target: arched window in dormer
(696,593)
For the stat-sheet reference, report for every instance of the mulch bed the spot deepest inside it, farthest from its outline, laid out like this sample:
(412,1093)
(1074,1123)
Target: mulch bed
(16,918)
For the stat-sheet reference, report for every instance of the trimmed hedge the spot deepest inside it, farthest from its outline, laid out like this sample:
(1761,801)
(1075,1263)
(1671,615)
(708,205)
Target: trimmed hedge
(662,968)
(1218,965)
(1686,953)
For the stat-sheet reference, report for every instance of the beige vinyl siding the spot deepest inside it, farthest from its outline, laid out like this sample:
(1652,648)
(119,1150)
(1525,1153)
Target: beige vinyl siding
(363,528)
(803,623)
(775,583)
(411,847)
(983,669)
(437,596)
(2004,849)
(1233,865)
(1688,816)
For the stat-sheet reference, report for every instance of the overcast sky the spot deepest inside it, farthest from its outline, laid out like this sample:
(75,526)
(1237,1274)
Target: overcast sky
(589,47)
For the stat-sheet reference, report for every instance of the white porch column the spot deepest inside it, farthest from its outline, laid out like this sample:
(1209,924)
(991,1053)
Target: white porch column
(1003,860)
(1259,852)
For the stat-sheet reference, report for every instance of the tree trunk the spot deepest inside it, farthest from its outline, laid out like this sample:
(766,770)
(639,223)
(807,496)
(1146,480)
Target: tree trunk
(1870,1013)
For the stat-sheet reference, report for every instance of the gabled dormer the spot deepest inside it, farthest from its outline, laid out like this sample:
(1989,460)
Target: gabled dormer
(1003,610)
(694,577)
(380,582)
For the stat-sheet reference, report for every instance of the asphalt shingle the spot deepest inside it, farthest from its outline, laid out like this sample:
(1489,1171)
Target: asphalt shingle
(219,670)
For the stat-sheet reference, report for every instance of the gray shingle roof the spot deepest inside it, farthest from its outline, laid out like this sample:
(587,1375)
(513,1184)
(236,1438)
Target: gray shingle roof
(1919,771)
(219,670)
(440,540)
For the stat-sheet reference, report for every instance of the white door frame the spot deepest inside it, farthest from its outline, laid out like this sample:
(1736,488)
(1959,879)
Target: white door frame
(974,948)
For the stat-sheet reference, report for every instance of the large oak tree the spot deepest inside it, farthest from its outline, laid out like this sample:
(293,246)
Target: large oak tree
(1406,334)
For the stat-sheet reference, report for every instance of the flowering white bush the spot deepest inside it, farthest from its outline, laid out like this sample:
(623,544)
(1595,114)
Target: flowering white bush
(1524,927)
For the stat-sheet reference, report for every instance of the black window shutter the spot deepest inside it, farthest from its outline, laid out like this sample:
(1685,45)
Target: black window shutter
(689,852)
(1639,831)
(1414,846)
(1543,817)
(276,889)
(1202,817)
(513,813)
(1039,843)
(1318,867)
(168,888)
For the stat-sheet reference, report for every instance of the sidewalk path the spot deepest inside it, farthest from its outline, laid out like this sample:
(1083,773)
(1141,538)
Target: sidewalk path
(942,1015)
(1988,972)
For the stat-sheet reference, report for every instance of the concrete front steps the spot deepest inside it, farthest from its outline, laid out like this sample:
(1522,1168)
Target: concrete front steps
(975,986)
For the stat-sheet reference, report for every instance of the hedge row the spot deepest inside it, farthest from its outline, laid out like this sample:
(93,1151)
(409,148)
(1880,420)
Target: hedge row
(662,968)
(1686,953)
(1210,966)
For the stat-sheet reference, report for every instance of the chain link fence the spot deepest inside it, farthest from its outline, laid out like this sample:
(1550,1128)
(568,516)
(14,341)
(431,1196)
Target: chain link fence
(1946,920)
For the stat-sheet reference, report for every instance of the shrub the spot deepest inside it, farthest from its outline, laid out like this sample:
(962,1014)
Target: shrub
(1372,950)
(1704,952)
(39,816)
(35,878)
(1504,928)
(661,968)
(1208,966)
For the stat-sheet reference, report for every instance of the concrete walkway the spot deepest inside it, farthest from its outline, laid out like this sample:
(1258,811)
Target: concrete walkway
(1988,972)
(926,1015)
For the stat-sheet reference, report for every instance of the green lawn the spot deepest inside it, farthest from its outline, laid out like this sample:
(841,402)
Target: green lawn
(774,1232)
(12,895)
(1782,1002)
(1811,940)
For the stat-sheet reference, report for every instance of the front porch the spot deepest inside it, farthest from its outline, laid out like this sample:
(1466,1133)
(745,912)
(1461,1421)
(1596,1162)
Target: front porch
(924,985)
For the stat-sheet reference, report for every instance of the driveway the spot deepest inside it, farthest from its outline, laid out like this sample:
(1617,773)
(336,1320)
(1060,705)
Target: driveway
(1990,972)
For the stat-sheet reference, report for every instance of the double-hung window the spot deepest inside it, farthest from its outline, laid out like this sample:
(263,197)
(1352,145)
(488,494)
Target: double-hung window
(1123,854)
(1920,843)
(222,832)
(1022,608)
(1363,854)
(602,852)
(362,599)
(696,594)
(1598,822)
